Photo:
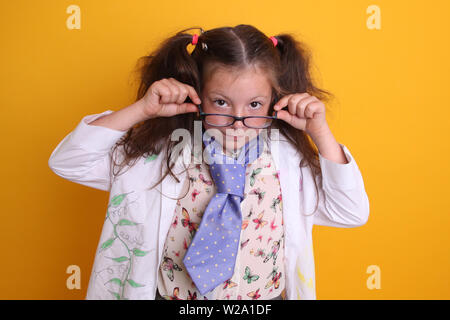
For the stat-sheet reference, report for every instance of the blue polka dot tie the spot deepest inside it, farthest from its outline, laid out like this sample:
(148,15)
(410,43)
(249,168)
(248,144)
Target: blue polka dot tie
(211,256)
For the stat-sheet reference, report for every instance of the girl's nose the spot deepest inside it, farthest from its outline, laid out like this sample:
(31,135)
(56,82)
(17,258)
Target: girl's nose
(238,124)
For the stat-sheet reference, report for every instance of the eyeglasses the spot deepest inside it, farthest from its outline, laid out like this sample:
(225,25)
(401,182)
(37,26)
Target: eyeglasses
(225,120)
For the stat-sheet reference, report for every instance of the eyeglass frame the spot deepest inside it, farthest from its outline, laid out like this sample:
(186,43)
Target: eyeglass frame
(235,118)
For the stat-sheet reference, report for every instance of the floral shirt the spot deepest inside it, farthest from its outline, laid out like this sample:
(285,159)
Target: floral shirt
(259,269)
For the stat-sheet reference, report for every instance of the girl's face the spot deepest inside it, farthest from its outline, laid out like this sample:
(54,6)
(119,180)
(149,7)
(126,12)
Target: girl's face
(241,93)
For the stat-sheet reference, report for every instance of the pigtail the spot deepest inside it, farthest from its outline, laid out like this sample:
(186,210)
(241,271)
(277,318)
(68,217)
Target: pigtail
(170,59)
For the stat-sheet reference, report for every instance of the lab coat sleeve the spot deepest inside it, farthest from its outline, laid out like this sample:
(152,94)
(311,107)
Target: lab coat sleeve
(84,155)
(343,201)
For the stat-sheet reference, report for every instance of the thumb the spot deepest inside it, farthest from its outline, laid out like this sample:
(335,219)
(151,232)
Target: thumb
(293,120)
(186,108)
(284,115)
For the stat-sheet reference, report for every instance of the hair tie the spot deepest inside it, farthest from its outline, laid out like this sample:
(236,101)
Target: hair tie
(194,39)
(274,40)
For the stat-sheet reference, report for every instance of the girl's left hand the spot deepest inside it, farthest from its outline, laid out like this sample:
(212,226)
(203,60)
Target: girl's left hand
(305,112)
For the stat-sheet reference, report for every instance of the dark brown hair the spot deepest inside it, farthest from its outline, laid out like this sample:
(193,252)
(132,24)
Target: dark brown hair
(287,65)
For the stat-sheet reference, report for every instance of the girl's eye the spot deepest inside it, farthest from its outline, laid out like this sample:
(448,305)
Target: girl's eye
(219,100)
(255,106)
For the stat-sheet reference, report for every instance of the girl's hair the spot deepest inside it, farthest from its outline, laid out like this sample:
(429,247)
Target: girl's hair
(287,66)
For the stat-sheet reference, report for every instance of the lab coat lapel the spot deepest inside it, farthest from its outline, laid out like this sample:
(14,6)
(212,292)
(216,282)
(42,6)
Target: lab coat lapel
(170,191)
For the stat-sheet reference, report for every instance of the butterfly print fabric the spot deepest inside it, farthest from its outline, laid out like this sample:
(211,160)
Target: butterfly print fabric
(259,270)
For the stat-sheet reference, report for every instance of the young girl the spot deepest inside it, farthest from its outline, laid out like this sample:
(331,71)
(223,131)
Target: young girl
(172,230)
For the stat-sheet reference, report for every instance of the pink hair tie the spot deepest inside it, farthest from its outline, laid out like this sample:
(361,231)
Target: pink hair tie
(274,40)
(194,39)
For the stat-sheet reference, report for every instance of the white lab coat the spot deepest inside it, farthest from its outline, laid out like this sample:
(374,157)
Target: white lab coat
(83,156)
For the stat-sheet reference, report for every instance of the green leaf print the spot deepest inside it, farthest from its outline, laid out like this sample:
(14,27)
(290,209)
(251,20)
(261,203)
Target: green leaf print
(134,284)
(139,253)
(125,222)
(117,203)
(108,243)
(116,295)
(120,259)
(117,200)
(116,281)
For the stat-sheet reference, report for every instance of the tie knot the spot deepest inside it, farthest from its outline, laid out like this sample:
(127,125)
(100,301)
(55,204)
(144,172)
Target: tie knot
(229,178)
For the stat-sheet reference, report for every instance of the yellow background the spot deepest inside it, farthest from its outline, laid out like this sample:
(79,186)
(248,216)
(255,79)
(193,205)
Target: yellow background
(391,111)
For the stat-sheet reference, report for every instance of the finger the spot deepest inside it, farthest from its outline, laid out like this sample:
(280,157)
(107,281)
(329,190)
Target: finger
(186,90)
(303,103)
(193,94)
(166,88)
(182,91)
(310,109)
(163,91)
(293,120)
(284,115)
(186,107)
(174,90)
(293,103)
(282,102)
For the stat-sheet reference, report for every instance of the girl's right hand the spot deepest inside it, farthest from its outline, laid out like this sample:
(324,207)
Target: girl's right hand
(165,98)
